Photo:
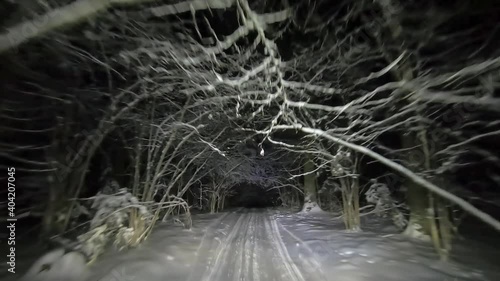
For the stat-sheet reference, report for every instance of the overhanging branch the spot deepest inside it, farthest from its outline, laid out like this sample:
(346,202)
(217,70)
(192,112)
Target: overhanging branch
(402,170)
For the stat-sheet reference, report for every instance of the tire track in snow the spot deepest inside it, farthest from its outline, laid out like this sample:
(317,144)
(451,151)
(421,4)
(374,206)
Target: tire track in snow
(269,264)
(239,252)
(291,267)
(255,250)
(223,251)
(247,250)
(314,266)
(209,230)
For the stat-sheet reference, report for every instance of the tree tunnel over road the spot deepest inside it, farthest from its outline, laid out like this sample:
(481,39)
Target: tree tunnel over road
(123,119)
(249,196)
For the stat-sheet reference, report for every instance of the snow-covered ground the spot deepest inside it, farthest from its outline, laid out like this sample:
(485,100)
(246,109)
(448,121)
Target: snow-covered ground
(376,253)
(267,245)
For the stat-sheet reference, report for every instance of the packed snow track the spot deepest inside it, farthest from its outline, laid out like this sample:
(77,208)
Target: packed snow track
(251,249)
(244,244)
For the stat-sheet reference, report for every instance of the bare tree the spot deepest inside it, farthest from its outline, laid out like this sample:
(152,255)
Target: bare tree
(182,98)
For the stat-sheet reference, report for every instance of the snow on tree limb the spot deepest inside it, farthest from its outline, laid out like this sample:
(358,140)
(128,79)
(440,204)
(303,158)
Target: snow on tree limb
(57,18)
(82,9)
(72,13)
(404,171)
(187,6)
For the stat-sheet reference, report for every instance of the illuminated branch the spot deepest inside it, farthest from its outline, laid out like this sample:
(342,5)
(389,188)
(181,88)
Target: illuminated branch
(402,170)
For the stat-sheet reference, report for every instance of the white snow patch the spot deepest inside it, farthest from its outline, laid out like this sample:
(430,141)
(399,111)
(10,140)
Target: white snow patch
(57,266)
(311,208)
(413,231)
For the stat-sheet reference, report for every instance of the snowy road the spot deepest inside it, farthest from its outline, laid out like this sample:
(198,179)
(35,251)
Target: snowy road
(252,249)
(266,245)
(244,244)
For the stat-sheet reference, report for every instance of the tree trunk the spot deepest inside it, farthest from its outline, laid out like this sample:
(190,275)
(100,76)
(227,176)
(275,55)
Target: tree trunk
(419,225)
(310,201)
